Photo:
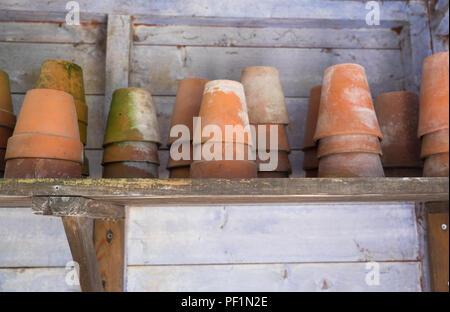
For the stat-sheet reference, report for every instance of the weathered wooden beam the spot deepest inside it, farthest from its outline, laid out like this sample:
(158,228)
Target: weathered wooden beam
(79,235)
(76,207)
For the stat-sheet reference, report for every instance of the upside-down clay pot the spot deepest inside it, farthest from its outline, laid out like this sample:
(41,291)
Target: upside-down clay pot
(398,114)
(350,165)
(346,104)
(180,172)
(224,105)
(5,93)
(132,117)
(350,143)
(265,96)
(46,141)
(434,94)
(311,117)
(280,135)
(435,143)
(187,104)
(130,169)
(131,151)
(68,77)
(227,169)
(181,162)
(436,165)
(225,151)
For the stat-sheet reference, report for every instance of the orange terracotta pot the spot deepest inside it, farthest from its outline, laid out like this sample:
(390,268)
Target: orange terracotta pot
(182,162)
(130,169)
(272,174)
(5,93)
(265,96)
(350,165)
(180,173)
(353,143)
(436,165)
(434,95)
(398,114)
(235,151)
(281,137)
(435,143)
(311,173)
(311,117)
(402,172)
(223,104)
(226,169)
(310,159)
(346,104)
(68,77)
(46,128)
(131,151)
(187,104)
(39,168)
(284,165)
(132,117)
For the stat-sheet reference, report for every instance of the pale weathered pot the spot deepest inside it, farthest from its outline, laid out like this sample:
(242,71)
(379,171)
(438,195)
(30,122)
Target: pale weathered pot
(46,129)
(224,104)
(281,137)
(180,172)
(350,143)
(227,151)
(346,104)
(41,168)
(227,169)
(398,115)
(5,93)
(436,165)
(434,94)
(187,104)
(132,117)
(435,143)
(131,169)
(310,159)
(350,165)
(311,117)
(272,174)
(404,172)
(284,165)
(68,77)
(265,96)
(131,151)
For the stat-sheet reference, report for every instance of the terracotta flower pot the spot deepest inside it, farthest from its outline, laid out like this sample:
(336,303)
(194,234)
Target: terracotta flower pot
(402,172)
(435,143)
(284,165)
(227,169)
(434,95)
(5,93)
(346,104)
(41,168)
(350,165)
(436,165)
(132,117)
(398,114)
(310,159)
(68,77)
(180,172)
(272,174)
(265,96)
(311,173)
(131,151)
(223,104)
(182,162)
(281,137)
(351,143)
(311,117)
(235,151)
(46,129)
(187,104)
(130,169)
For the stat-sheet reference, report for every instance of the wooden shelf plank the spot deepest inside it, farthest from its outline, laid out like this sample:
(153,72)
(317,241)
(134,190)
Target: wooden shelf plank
(220,191)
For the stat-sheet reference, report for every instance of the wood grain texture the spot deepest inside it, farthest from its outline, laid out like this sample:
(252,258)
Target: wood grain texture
(109,239)
(35,280)
(438,246)
(79,235)
(159,68)
(271,234)
(394,276)
(27,240)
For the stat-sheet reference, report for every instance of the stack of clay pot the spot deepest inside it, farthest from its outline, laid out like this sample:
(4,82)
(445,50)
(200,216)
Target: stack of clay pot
(46,140)
(347,127)
(7,118)
(223,105)
(310,160)
(130,146)
(433,116)
(267,107)
(398,115)
(68,77)
(187,106)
